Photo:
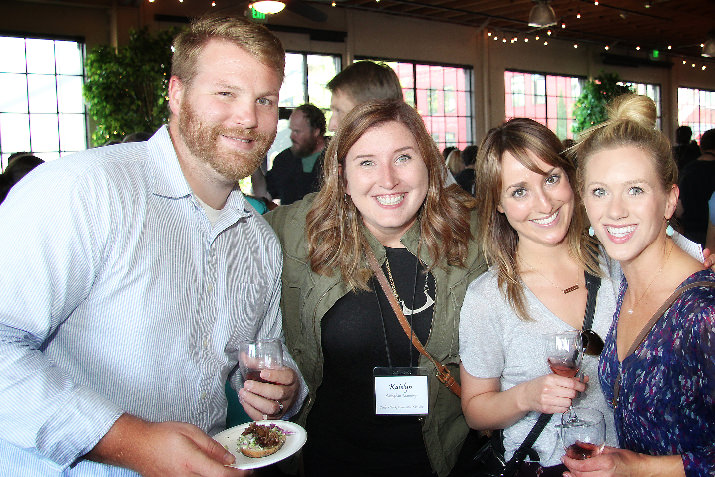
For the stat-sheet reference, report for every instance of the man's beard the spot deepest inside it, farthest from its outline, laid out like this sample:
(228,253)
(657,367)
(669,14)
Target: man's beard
(203,142)
(303,150)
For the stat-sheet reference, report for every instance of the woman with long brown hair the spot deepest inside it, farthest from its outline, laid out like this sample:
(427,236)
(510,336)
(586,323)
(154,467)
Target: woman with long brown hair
(532,229)
(383,193)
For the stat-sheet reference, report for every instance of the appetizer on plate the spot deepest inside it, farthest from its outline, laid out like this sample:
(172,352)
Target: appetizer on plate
(259,440)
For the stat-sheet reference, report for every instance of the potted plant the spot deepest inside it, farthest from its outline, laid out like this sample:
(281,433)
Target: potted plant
(590,108)
(126,88)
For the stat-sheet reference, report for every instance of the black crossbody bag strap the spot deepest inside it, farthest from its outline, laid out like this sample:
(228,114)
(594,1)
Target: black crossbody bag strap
(592,285)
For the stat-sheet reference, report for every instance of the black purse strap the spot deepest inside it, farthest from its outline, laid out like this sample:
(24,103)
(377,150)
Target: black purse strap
(593,283)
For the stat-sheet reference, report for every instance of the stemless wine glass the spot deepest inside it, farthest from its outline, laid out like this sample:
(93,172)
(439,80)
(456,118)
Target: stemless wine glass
(564,352)
(583,432)
(255,355)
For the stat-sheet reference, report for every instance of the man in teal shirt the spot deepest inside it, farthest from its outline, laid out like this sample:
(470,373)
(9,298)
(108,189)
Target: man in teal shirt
(296,170)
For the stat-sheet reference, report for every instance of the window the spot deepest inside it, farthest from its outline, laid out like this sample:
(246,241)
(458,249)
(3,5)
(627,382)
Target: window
(653,92)
(305,78)
(548,99)
(696,108)
(443,96)
(41,108)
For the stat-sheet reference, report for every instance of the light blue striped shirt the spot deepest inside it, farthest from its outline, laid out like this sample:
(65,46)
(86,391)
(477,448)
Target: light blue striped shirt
(118,295)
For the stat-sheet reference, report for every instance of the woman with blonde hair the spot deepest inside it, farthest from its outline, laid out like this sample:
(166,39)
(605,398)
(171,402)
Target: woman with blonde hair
(532,230)
(383,193)
(657,368)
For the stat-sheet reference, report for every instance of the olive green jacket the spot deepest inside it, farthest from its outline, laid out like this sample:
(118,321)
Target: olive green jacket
(307,296)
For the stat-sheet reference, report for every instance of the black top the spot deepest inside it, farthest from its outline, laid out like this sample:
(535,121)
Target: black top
(696,186)
(466,180)
(287,181)
(345,437)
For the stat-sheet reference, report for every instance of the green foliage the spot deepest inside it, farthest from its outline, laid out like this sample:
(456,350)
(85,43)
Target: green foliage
(126,89)
(590,108)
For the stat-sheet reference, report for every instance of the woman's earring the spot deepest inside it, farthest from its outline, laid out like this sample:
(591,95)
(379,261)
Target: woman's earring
(591,232)
(669,231)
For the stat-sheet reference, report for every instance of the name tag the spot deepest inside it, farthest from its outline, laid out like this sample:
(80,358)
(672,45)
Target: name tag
(401,391)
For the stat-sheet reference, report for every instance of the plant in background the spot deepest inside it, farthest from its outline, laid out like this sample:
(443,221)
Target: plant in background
(126,89)
(590,107)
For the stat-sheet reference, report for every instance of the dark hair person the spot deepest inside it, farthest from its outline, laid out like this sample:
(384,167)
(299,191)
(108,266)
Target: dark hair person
(657,368)
(382,191)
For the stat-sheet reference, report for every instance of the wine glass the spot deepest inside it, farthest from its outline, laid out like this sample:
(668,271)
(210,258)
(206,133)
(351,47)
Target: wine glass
(564,352)
(583,432)
(255,355)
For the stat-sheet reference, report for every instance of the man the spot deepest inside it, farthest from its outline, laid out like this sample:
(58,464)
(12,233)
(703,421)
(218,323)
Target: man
(124,296)
(685,150)
(358,83)
(296,170)
(697,184)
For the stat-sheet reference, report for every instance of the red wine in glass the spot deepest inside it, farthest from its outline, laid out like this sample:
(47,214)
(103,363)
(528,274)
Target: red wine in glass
(254,375)
(581,450)
(562,367)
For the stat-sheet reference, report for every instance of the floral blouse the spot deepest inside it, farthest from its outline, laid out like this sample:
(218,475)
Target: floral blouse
(666,404)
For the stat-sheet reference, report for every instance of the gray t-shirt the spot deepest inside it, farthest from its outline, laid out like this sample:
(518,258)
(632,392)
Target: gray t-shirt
(495,343)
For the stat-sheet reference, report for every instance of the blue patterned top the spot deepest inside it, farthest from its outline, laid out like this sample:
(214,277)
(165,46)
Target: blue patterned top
(666,401)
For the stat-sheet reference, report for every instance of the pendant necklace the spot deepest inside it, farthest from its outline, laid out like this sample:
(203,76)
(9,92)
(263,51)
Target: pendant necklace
(429,301)
(564,290)
(667,257)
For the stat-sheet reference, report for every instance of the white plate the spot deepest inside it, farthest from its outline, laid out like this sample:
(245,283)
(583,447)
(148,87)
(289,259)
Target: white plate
(294,441)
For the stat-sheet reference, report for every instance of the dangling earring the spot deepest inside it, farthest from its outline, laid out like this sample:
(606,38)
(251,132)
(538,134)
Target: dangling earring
(669,231)
(591,232)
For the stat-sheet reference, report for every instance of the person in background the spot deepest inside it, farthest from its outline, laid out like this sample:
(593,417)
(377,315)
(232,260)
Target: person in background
(296,170)
(130,274)
(18,167)
(360,82)
(532,230)
(685,149)
(454,162)
(657,368)
(382,191)
(697,184)
(465,179)
(447,150)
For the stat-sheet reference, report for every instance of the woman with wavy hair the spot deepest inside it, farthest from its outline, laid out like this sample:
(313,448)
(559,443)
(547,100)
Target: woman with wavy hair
(383,192)
(532,229)
(657,369)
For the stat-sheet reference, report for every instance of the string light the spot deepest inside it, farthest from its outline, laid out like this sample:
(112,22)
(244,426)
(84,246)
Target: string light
(548,32)
(606,47)
(488,33)
(670,47)
(213,4)
(526,40)
(638,48)
(575,45)
(546,43)
(563,25)
(704,68)
(595,2)
(537,38)
(578,15)
(333,4)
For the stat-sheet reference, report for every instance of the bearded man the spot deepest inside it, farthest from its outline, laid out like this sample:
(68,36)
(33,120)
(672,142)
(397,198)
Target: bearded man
(296,170)
(130,274)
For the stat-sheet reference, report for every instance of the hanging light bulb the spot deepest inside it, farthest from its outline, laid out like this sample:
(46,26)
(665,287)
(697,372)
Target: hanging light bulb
(709,46)
(268,7)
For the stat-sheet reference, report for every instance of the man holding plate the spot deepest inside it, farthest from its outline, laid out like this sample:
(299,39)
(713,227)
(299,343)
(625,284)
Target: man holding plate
(130,273)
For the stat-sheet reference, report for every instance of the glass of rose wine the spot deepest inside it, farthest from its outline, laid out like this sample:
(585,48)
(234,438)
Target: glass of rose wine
(563,352)
(583,432)
(255,355)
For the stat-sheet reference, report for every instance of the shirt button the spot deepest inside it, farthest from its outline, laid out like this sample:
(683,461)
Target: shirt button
(203,395)
(206,343)
(210,288)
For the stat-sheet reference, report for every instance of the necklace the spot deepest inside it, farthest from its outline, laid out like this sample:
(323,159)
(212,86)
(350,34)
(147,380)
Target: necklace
(565,290)
(667,257)
(429,301)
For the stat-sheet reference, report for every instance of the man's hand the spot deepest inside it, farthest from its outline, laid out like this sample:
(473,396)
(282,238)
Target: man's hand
(273,398)
(163,448)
